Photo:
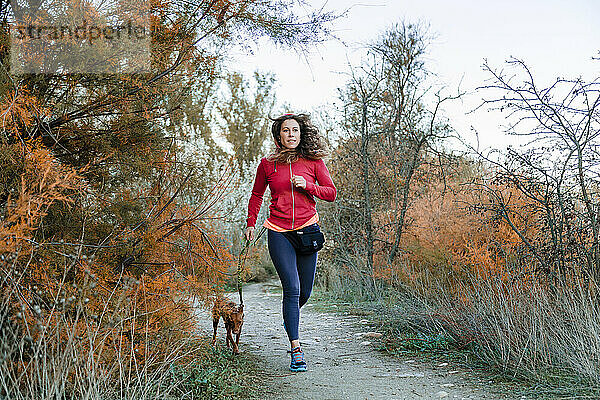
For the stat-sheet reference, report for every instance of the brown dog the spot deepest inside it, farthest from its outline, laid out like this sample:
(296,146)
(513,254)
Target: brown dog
(233,317)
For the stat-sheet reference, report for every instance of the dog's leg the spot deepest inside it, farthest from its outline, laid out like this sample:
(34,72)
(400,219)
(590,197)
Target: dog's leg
(228,329)
(230,336)
(215,325)
(234,345)
(237,342)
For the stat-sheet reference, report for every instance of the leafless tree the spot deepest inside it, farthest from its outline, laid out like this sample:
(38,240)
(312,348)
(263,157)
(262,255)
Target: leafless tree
(389,127)
(557,168)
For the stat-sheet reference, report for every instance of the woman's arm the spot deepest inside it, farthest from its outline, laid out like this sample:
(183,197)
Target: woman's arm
(260,185)
(325,190)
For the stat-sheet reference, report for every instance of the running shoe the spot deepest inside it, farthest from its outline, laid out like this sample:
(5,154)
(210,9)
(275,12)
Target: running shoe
(297,364)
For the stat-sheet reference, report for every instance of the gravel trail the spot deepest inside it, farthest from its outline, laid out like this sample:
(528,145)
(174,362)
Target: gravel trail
(342,361)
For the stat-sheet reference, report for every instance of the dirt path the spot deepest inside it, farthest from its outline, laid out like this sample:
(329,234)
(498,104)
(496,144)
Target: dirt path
(341,364)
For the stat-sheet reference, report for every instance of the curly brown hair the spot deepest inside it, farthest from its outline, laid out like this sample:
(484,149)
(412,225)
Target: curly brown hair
(311,146)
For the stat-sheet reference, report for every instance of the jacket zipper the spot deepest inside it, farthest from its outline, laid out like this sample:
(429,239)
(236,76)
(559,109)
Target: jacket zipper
(292,183)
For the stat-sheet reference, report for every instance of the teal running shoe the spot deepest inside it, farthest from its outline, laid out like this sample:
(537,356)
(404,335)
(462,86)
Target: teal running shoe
(297,364)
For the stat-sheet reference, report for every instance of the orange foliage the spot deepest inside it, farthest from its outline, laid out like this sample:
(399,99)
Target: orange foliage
(130,296)
(43,182)
(20,109)
(453,231)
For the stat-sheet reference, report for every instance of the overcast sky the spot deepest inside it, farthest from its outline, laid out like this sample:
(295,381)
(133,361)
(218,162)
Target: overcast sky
(555,38)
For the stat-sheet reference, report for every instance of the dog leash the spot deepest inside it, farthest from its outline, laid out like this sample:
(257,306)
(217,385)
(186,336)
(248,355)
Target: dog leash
(242,261)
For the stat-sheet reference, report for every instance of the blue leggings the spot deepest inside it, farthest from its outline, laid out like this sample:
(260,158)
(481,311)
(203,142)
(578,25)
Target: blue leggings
(297,274)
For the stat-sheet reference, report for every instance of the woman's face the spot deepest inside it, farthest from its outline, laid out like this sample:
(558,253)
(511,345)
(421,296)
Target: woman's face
(290,134)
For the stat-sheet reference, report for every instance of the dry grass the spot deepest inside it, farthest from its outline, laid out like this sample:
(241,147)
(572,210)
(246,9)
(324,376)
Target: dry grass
(521,329)
(71,351)
(529,329)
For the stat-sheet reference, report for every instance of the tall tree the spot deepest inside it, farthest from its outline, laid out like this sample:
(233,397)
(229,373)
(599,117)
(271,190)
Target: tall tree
(246,112)
(389,127)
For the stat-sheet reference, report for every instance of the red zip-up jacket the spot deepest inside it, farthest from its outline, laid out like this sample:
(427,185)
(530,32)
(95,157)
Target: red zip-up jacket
(290,206)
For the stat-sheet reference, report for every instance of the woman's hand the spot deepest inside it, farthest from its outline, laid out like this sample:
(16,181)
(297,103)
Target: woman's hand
(249,233)
(299,181)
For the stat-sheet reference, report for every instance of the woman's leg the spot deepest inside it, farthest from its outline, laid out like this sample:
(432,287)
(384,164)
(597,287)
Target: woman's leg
(283,256)
(307,266)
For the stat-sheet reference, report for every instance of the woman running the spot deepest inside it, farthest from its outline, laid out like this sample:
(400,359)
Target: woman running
(296,174)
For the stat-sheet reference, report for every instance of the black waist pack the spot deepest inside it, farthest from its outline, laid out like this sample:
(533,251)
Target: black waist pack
(307,240)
